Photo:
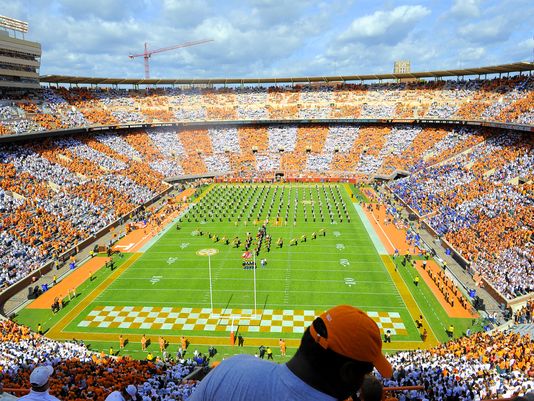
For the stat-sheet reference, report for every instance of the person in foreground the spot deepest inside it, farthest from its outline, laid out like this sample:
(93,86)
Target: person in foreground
(336,353)
(39,380)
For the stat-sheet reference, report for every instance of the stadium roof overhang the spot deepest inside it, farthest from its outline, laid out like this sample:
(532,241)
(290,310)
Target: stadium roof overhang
(497,69)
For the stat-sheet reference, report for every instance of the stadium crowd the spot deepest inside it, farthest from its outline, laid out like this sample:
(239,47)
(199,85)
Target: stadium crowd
(471,368)
(471,201)
(89,181)
(81,374)
(500,99)
(476,367)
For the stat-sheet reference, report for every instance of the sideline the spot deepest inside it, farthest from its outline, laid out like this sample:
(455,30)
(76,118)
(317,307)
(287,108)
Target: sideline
(410,302)
(379,241)
(153,239)
(73,280)
(56,330)
(379,246)
(395,237)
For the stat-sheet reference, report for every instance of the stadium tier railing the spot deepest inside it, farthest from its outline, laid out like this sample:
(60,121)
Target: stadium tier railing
(219,123)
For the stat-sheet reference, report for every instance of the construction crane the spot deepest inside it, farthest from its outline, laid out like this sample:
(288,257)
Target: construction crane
(148,53)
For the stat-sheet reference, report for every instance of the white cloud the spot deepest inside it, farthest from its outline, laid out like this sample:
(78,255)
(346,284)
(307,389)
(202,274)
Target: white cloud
(104,9)
(473,54)
(186,13)
(465,9)
(488,31)
(385,26)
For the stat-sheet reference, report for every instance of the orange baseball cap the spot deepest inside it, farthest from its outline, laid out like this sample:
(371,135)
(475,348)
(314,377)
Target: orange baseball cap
(353,334)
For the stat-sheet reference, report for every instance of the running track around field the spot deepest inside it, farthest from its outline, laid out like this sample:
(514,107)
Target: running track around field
(72,281)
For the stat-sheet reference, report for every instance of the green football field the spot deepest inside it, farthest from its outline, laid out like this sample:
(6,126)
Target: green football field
(340,267)
(166,291)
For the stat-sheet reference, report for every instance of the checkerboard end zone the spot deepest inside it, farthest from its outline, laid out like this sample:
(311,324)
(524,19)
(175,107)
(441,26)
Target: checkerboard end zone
(205,319)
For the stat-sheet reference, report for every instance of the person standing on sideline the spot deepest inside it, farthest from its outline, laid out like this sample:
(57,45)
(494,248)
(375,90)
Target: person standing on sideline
(143,343)
(282,344)
(39,380)
(240,340)
(269,354)
(450,331)
(419,322)
(424,335)
(262,351)
(387,336)
(336,353)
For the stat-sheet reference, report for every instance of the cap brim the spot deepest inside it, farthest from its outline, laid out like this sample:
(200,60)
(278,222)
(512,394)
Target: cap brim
(383,366)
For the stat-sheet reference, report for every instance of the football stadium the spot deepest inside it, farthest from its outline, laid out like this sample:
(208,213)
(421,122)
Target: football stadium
(256,238)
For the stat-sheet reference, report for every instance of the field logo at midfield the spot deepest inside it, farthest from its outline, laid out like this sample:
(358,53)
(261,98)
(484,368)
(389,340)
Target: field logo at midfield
(155,279)
(340,247)
(207,252)
(170,261)
(336,233)
(184,245)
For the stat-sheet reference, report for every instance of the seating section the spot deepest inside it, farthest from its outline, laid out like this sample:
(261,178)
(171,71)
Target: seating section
(477,367)
(508,99)
(481,202)
(473,367)
(80,374)
(59,192)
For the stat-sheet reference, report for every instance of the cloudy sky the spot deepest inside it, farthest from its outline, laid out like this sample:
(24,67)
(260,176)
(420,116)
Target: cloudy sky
(263,38)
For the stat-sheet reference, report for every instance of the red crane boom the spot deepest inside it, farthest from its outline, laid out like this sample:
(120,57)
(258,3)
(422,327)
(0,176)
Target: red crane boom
(148,53)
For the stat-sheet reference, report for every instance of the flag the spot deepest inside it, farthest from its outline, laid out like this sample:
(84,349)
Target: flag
(246,255)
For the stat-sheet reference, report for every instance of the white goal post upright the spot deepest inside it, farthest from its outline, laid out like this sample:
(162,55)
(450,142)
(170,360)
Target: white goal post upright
(209,253)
